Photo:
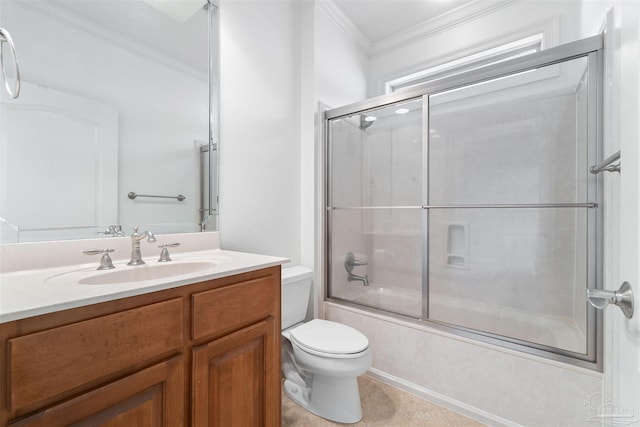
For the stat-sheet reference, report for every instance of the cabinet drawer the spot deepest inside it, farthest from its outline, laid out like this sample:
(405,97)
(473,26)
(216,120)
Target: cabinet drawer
(48,363)
(226,309)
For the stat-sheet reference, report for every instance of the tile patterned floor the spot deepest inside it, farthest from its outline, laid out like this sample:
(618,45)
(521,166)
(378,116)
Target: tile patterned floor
(382,406)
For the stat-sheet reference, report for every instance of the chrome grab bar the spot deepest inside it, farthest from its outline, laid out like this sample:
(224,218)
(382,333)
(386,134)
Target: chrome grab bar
(606,165)
(5,37)
(623,298)
(179,197)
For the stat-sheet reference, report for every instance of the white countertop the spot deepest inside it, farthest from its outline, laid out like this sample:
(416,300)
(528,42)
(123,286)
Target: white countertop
(28,293)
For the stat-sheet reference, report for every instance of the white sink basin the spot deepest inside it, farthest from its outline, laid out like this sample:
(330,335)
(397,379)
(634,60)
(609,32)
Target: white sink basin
(139,273)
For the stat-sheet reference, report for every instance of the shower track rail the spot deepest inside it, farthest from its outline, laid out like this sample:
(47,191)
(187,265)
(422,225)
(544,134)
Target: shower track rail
(543,58)
(481,206)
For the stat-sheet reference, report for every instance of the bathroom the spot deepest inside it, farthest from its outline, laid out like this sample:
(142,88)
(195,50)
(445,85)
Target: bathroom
(281,61)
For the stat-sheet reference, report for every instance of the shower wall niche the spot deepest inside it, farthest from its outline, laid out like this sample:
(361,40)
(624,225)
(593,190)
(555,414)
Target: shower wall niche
(470,201)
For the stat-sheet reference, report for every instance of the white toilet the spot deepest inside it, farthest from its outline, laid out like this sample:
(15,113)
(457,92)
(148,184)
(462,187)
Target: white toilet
(321,360)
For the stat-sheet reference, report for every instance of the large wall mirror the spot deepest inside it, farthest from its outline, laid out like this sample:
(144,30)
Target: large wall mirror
(117,119)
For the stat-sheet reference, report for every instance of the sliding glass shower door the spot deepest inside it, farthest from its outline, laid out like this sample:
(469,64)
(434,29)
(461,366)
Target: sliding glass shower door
(511,206)
(468,204)
(375,211)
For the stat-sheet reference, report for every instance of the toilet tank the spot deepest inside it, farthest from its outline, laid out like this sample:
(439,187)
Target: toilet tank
(296,287)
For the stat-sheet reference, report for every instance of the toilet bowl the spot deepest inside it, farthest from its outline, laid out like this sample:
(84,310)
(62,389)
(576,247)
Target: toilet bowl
(321,359)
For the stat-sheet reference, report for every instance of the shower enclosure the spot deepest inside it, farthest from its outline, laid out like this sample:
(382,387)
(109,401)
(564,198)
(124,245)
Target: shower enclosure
(466,203)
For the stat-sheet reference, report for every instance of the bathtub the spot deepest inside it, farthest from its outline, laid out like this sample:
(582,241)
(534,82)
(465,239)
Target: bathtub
(558,332)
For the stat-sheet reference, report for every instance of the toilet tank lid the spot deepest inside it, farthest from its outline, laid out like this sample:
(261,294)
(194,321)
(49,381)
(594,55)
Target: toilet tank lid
(292,274)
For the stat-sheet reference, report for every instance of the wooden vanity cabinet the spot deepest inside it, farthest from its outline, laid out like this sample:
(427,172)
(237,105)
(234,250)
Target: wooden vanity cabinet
(206,354)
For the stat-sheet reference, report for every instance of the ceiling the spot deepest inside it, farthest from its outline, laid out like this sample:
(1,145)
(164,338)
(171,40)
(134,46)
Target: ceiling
(378,19)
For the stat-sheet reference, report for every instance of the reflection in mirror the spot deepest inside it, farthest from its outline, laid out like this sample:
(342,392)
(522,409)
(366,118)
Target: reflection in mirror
(116,97)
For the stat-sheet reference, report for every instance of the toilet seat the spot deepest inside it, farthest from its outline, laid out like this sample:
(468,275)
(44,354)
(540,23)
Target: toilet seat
(329,339)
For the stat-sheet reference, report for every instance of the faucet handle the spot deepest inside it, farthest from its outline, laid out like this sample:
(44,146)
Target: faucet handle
(164,254)
(105,261)
(115,230)
(350,261)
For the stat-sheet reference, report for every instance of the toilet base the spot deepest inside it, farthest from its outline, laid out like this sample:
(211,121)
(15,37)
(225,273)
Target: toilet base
(336,399)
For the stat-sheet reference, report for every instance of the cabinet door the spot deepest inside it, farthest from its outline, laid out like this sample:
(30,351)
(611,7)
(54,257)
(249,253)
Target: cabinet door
(236,379)
(149,398)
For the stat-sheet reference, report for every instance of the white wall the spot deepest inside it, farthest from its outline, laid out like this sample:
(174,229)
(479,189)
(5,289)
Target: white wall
(260,145)
(278,60)
(340,62)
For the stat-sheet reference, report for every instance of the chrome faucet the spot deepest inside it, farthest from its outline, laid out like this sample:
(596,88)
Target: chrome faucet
(136,255)
(350,262)
(114,230)
(364,279)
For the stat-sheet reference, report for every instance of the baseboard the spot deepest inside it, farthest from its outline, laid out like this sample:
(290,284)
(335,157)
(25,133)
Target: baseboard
(442,400)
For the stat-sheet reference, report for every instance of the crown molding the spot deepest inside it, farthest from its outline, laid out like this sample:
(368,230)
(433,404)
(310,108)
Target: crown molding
(345,24)
(454,18)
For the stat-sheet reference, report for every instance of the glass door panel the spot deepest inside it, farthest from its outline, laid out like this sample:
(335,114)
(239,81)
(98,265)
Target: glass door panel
(388,245)
(515,139)
(518,273)
(509,201)
(376,157)
(375,208)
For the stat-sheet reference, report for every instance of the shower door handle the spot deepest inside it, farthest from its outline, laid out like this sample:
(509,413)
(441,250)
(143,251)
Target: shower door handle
(623,298)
